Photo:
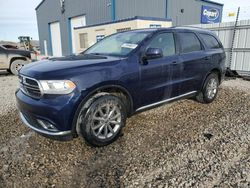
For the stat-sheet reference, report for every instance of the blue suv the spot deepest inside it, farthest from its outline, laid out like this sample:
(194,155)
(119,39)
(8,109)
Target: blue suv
(91,94)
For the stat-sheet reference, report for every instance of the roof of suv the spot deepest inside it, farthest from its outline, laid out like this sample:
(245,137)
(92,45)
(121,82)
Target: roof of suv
(182,28)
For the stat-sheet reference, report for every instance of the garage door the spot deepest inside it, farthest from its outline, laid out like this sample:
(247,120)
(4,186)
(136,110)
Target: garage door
(76,22)
(56,39)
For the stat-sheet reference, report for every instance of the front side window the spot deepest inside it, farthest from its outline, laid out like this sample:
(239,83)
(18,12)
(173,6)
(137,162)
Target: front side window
(164,41)
(120,44)
(211,41)
(189,43)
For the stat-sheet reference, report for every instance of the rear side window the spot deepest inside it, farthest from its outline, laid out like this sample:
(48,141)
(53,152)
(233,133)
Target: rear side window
(189,43)
(211,41)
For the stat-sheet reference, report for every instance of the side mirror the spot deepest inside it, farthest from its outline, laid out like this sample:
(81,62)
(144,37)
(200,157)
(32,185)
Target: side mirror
(153,53)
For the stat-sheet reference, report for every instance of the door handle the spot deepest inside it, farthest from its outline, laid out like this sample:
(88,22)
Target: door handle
(174,63)
(207,58)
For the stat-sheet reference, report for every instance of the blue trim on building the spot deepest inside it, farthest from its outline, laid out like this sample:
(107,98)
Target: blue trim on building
(50,49)
(212,2)
(70,36)
(166,8)
(127,19)
(113,10)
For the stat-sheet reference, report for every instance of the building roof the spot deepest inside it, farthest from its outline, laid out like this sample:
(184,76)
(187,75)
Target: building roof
(127,19)
(207,1)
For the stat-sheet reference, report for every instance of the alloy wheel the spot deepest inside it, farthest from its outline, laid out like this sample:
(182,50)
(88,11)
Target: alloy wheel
(106,120)
(212,87)
(18,67)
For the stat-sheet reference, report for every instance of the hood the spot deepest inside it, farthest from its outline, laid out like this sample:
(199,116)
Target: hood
(65,67)
(19,52)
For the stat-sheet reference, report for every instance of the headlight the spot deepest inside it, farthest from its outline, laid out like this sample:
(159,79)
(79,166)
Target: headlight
(57,86)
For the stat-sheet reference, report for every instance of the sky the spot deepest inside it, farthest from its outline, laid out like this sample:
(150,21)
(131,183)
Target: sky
(232,6)
(18,17)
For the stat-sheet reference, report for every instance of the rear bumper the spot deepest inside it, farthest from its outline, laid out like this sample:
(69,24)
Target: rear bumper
(59,135)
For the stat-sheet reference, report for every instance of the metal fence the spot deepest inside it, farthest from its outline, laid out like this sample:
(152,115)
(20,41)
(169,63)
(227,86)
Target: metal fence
(237,46)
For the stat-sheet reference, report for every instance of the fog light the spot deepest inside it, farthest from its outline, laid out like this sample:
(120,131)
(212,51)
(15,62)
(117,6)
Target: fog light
(46,125)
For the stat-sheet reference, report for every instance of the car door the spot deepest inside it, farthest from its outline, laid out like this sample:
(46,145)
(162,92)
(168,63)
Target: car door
(3,59)
(194,60)
(160,78)
(215,51)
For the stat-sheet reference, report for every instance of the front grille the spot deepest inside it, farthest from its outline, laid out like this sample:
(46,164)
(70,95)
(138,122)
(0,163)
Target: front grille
(29,86)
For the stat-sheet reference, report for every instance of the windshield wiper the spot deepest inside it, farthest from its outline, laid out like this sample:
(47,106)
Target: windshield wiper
(104,54)
(95,54)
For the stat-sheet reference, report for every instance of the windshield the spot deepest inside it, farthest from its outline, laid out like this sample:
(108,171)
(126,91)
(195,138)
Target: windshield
(120,44)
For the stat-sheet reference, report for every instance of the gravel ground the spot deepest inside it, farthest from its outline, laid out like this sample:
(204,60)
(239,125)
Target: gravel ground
(184,144)
(8,85)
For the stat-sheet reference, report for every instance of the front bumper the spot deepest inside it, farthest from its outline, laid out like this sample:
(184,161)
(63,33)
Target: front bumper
(57,111)
(59,135)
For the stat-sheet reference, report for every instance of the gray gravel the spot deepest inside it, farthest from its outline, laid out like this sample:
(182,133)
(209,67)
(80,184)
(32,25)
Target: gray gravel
(8,85)
(238,84)
(184,144)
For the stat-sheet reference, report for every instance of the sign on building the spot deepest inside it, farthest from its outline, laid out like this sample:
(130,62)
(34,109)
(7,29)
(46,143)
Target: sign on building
(210,15)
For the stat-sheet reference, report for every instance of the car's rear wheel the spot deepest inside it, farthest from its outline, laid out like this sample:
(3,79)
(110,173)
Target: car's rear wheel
(16,66)
(101,123)
(209,90)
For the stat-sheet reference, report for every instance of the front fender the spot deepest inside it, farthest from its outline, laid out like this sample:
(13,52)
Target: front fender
(110,85)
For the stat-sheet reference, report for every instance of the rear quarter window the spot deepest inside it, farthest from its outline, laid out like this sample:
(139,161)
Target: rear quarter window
(211,41)
(189,42)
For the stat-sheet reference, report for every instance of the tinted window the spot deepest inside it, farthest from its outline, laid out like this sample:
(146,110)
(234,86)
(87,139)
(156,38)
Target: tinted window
(189,42)
(211,41)
(164,41)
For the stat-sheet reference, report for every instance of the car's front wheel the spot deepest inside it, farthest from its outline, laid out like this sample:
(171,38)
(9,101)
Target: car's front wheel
(209,90)
(102,121)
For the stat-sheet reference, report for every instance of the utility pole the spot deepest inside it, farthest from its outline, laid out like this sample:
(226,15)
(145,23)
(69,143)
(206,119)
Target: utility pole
(233,38)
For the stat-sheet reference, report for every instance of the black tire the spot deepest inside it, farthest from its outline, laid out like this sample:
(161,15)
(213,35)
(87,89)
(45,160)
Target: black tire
(90,117)
(204,96)
(17,65)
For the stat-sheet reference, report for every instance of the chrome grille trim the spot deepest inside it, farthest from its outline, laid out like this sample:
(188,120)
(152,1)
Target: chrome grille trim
(26,86)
